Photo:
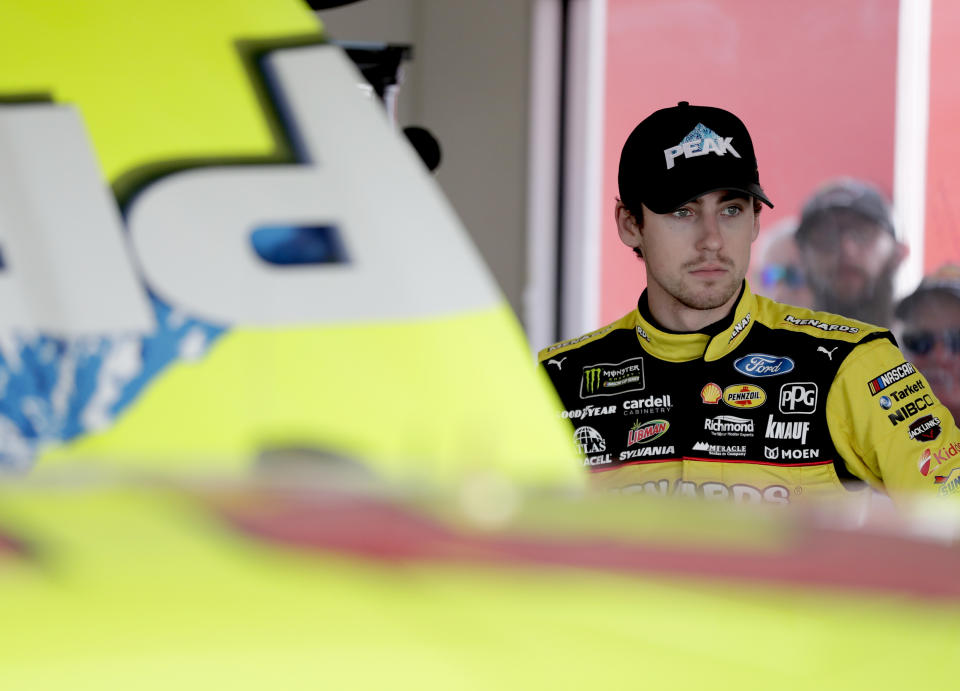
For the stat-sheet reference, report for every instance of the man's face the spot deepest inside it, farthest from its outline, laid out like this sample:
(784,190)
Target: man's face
(929,336)
(698,254)
(849,260)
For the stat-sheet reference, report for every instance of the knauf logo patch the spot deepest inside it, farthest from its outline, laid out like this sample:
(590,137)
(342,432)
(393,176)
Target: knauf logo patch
(700,142)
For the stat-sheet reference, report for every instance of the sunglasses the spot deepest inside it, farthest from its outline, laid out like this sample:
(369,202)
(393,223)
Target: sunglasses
(922,342)
(782,273)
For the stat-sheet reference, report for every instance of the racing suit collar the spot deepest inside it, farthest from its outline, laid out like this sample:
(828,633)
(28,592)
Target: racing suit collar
(715,341)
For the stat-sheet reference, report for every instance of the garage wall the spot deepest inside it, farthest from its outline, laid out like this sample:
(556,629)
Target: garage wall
(468,84)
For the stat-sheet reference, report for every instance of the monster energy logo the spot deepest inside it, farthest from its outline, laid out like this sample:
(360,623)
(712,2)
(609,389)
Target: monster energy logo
(610,379)
(592,379)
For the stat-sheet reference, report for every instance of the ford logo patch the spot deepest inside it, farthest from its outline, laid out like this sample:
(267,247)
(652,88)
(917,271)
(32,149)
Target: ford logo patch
(760,365)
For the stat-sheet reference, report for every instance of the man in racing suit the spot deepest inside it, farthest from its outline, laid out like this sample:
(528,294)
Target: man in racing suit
(709,390)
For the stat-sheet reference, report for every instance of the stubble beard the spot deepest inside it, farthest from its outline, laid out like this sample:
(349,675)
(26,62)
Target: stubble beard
(873,304)
(707,297)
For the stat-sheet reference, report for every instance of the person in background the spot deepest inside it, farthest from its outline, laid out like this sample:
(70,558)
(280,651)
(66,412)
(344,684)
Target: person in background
(777,271)
(849,251)
(930,333)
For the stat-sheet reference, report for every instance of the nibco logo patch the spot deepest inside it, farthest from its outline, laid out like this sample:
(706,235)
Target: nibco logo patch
(761,365)
(798,398)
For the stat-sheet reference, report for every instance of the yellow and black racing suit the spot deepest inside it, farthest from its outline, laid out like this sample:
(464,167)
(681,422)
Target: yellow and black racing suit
(776,404)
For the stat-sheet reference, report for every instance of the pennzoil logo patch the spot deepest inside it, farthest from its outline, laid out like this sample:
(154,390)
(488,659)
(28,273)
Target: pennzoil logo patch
(744,396)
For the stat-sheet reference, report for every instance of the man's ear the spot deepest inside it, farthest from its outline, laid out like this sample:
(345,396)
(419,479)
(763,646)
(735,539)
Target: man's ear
(629,230)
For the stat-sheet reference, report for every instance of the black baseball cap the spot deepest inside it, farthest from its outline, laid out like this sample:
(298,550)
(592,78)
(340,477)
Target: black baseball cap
(845,194)
(678,154)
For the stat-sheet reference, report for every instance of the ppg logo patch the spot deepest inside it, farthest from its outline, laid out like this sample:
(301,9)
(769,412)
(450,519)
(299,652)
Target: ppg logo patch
(798,398)
(611,379)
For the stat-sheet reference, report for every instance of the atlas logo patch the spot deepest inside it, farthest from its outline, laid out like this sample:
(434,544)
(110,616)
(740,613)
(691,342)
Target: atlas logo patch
(910,409)
(798,398)
(776,453)
(589,440)
(890,377)
(762,365)
(823,326)
(744,396)
(699,142)
(787,430)
(611,379)
(643,432)
(925,429)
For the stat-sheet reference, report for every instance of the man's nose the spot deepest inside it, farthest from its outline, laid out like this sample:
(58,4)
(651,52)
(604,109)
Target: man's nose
(710,237)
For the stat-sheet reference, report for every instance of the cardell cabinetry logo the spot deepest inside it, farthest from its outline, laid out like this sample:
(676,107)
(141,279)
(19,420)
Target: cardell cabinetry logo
(611,379)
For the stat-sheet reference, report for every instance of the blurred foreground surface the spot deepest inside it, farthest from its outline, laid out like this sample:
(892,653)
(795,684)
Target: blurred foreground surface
(285,582)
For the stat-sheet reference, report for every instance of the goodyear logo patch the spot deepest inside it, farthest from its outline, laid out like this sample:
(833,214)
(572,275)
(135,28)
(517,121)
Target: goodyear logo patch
(744,396)
(611,379)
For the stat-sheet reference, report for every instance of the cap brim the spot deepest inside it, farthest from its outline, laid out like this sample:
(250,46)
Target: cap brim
(750,189)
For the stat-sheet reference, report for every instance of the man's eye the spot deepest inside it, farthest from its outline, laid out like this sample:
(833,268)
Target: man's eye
(682,213)
(732,210)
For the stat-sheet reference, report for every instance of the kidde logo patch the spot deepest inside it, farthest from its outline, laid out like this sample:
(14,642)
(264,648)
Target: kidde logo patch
(643,432)
(941,455)
(925,429)
(699,142)
(611,379)
(744,396)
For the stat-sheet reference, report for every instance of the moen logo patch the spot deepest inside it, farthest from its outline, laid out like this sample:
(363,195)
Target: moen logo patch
(744,396)
(762,365)
(643,432)
(700,142)
(612,379)
(890,377)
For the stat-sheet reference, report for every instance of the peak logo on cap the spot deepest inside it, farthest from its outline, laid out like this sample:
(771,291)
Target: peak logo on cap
(699,142)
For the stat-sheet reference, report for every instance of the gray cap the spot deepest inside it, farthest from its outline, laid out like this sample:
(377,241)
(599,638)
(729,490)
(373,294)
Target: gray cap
(847,194)
(944,281)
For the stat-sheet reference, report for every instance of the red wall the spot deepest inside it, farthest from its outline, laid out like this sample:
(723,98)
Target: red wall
(814,82)
(942,225)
